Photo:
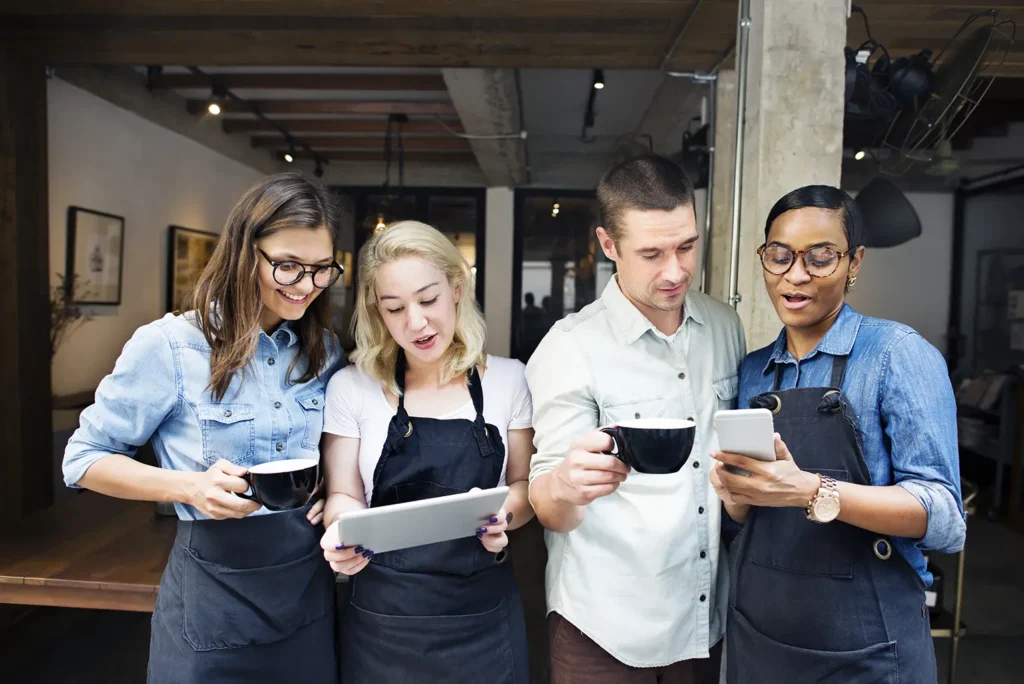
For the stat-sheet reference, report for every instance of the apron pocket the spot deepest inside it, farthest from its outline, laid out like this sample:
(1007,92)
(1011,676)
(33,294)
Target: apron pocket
(443,648)
(230,608)
(754,657)
(785,539)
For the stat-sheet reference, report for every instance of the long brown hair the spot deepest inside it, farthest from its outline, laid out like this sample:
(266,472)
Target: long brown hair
(226,297)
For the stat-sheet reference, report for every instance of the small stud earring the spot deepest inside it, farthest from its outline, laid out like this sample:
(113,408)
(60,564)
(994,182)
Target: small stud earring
(850,282)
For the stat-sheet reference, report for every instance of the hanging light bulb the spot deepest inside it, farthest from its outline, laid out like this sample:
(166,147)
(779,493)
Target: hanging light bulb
(214,108)
(380,224)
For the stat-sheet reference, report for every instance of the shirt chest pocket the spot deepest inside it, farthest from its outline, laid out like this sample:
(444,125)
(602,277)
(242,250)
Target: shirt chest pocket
(726,390)
(312,404)
(618,411)
(229,432)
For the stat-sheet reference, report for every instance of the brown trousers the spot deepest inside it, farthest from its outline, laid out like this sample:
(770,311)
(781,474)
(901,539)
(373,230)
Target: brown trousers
(576,659)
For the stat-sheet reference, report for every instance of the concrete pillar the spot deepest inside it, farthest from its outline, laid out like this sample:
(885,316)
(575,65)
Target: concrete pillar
(721,185)
(498,250)
(794,128)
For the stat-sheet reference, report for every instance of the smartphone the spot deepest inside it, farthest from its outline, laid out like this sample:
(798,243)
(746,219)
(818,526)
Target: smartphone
(747,432)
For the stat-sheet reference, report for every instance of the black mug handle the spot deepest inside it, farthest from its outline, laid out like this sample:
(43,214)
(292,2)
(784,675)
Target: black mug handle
(251,497)
(616,451)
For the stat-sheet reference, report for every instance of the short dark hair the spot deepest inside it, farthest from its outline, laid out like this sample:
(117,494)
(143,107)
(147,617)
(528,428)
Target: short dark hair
(822,197)
(646,183)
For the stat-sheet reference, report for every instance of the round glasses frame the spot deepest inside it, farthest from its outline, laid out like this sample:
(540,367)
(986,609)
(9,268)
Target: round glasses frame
(802,255)
(314,271)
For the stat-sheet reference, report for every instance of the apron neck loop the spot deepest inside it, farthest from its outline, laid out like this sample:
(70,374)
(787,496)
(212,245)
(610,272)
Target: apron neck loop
(480,430)
(838,373)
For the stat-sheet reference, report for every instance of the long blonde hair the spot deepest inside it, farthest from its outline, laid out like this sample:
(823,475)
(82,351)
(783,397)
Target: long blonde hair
(226,297)
(376,351)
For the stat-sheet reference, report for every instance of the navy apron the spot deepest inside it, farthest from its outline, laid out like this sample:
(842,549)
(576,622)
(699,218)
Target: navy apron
(245,600)
(446,612)
(824,603)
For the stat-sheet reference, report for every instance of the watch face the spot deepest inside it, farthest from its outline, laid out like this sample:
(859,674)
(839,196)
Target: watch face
(826,508)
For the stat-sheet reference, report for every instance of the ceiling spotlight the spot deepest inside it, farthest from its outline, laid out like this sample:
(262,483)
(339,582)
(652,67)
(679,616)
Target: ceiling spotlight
(598,79)
(218,94)
(288,157)
(214,108)
(860,155)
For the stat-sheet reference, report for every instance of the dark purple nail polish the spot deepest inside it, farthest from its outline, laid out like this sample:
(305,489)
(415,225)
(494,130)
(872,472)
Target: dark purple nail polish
(494,520)
(367,554)
(479,534)
(371,555)
(359,549)
(339,547)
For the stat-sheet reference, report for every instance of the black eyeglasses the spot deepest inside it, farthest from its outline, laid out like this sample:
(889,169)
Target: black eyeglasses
(291,272)
(819,262)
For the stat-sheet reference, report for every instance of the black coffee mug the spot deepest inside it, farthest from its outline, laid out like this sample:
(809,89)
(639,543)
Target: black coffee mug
(283,485)
(656,446)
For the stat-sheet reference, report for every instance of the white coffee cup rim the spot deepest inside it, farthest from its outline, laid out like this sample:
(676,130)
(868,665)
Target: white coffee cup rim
(656,424)
(287,465)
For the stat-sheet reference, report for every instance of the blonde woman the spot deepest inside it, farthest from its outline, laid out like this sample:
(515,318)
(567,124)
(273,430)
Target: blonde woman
(235,382)
(446,612)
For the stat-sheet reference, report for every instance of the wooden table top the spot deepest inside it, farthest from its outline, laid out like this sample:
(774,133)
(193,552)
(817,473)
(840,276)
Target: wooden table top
(89,551)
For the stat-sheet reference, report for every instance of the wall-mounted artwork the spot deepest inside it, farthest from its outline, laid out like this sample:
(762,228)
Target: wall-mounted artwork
(94,256)
(189,251)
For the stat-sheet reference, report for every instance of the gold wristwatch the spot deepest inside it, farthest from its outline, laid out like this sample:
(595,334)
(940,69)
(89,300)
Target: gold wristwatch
(824,506)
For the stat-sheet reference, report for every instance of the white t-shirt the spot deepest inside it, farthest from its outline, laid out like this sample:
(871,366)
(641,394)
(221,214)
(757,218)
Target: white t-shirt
(357,407)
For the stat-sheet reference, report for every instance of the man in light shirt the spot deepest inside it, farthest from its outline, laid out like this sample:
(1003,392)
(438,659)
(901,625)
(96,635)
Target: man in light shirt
(634,588)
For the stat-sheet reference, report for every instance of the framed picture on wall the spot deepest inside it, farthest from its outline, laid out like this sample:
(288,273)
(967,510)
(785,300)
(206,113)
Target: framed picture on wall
(189,250)
(94,256)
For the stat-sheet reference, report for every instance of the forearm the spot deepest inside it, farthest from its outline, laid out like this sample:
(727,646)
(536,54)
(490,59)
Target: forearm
(554,514)
(518,504)
(124,478)
(891,511)
(338,503)
(738,512)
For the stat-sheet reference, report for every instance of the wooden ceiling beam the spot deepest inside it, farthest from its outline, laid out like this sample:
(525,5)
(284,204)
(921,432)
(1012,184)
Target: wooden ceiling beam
(304,81)
(363,143)
(339,126)
(271,107)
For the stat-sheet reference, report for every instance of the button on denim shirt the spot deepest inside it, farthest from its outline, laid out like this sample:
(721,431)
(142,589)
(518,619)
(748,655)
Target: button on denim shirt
(158,391)
(906,415)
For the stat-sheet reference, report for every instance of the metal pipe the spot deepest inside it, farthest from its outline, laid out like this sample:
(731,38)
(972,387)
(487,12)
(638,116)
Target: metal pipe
(737,173)
(712,112)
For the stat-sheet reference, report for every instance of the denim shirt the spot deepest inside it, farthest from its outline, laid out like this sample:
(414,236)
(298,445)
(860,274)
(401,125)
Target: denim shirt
(158,391)
(899,387)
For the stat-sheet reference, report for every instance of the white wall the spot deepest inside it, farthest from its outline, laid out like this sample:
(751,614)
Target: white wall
(105,158)
(910,283)
(498,242)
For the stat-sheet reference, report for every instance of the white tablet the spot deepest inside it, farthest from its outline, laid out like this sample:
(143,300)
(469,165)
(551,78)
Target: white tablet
(415,523)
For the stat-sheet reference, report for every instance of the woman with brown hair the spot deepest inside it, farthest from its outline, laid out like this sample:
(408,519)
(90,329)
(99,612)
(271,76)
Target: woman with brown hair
(236,381)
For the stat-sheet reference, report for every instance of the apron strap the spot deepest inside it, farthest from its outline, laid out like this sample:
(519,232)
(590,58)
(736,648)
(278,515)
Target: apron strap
(480,430)
(400,366)
(778,376)
(838,371)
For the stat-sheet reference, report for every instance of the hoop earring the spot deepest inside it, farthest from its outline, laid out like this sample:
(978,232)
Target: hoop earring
(850,282)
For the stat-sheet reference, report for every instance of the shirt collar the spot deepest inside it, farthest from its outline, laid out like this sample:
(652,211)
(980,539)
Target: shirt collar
(628,319)
(838,341)
(285,330)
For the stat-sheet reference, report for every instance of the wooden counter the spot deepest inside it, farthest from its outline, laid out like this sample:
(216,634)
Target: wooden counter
(90,551)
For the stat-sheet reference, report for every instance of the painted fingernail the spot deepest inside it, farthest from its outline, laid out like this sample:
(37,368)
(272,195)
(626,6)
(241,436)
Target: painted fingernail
(367,554)
(359,549)
(479,534)
(508,518)
(494,520)
(339,547)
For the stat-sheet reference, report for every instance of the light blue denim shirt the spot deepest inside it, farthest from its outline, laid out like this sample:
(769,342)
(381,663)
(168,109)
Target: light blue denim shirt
(158,391)
(899,387)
